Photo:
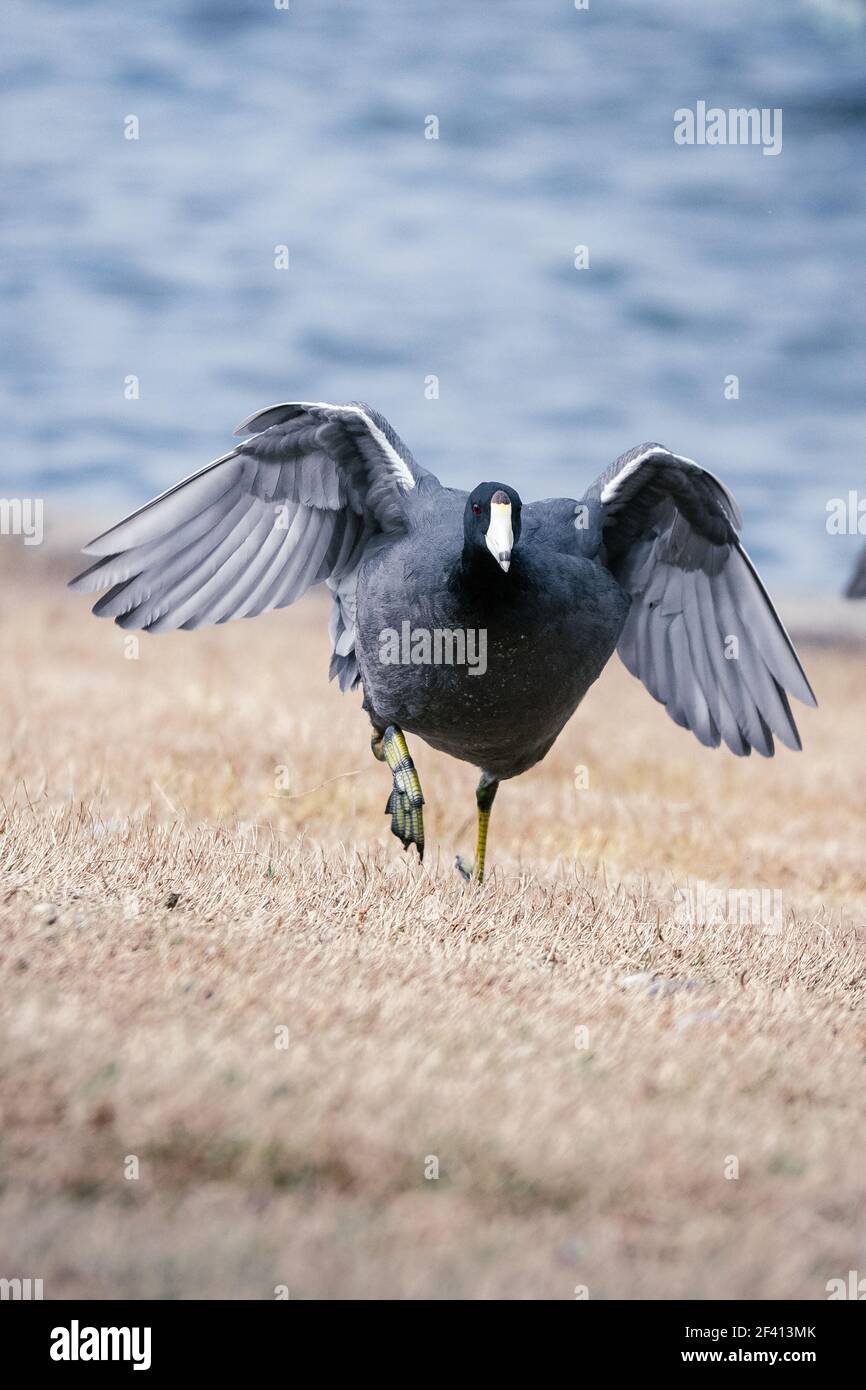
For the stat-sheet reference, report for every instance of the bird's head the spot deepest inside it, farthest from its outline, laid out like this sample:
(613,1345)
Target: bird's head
(491,521)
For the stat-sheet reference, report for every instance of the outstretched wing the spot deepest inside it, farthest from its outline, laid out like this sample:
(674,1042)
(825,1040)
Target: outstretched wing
(291,506)
(702,634)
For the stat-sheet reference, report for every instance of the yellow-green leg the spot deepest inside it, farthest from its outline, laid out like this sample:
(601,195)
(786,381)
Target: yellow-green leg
(406,799)
(484,795)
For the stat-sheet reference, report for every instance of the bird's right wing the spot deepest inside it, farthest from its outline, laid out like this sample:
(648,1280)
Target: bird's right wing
(291,506)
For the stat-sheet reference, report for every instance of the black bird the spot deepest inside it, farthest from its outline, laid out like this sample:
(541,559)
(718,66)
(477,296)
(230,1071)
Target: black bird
(474,621)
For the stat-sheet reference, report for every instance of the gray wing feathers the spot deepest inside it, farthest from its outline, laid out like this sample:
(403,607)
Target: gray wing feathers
(181,503)
(344,663)
(291,506)
(701,634)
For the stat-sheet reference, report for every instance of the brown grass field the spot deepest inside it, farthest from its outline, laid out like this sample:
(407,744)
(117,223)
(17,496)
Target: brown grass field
(587,1067)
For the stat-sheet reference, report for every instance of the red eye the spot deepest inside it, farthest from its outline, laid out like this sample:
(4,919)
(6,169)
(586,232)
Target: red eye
(476,509)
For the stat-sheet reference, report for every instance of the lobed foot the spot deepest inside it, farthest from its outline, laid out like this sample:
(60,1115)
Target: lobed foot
(406,799)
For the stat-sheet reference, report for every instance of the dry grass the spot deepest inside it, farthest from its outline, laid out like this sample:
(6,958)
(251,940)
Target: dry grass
(425,1019)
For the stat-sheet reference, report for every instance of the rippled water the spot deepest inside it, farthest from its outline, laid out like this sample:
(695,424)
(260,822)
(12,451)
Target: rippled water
(411,258)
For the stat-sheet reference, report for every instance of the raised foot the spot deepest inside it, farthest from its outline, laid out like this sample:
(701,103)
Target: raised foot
(406,799)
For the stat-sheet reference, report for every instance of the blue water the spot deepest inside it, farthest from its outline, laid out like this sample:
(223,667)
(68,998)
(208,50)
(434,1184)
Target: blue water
(453,258)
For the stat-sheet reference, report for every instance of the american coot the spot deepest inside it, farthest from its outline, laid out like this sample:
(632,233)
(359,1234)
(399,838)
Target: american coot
(474,621)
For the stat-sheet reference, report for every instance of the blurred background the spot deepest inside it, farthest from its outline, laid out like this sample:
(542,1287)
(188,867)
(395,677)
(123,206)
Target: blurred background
(413,258)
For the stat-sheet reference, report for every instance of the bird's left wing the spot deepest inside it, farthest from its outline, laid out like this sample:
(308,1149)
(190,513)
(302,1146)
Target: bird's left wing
(291,506)
(701,634)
